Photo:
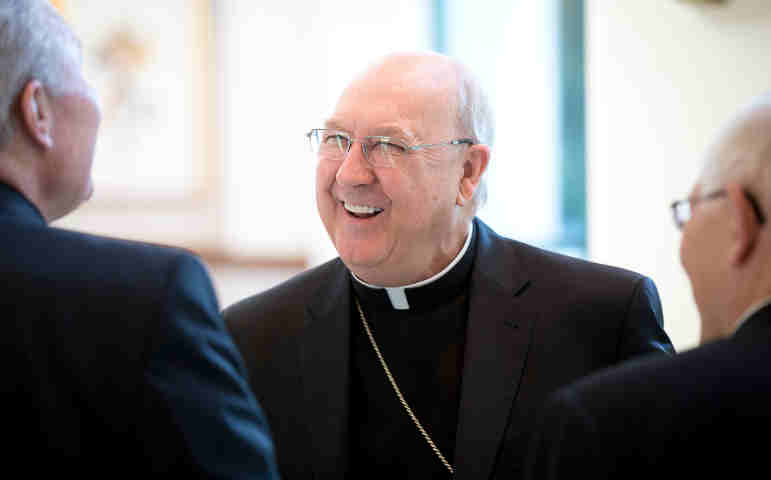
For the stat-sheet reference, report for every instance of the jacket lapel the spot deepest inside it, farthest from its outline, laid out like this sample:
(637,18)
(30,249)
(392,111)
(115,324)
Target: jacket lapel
(497,342)
(326,377)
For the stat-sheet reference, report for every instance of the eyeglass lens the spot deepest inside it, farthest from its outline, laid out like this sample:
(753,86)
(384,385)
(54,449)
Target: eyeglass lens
(334,146)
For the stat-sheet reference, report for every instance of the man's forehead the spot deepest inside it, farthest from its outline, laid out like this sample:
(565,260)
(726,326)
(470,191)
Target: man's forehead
(386,129)
(418,79)
(395,102)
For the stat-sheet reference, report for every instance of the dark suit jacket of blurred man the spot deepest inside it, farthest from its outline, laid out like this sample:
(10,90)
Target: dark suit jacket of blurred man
(537,320)
(691,416)
(115,360)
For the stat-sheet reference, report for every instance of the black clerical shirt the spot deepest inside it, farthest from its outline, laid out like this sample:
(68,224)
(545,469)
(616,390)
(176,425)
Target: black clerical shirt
(423,347)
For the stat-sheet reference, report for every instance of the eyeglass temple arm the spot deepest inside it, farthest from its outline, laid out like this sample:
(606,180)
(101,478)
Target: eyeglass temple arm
(451,142)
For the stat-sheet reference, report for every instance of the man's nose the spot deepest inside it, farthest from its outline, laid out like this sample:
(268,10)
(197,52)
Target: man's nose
(355,169)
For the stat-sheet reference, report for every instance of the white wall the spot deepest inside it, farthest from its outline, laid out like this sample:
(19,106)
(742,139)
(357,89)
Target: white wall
(662,77)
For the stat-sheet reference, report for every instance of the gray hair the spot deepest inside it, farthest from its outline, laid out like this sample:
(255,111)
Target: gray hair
(475,116)
(35,42)
(742,153)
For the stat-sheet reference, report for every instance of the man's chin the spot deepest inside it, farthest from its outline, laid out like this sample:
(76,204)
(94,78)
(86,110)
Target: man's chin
(361,264)
(355,262)
(360,251)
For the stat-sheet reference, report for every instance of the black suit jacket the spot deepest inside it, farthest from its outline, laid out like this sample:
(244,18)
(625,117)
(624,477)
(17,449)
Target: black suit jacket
(691,416)
(115,360)
(537,320)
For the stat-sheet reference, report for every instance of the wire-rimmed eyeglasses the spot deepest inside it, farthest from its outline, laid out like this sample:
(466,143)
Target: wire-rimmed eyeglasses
(379,151)
(682,210)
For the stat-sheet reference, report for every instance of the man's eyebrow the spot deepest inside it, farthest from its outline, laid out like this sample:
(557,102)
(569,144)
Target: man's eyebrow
(382,131)
(333,124)
(392,131)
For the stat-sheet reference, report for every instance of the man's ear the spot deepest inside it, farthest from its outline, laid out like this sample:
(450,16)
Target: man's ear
(745,226)
(474,165)
(36,112)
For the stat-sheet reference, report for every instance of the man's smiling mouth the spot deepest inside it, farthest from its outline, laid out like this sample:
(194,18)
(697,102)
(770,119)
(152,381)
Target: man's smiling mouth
(361,211)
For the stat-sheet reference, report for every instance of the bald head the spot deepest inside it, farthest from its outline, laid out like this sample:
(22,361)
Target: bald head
(424,86)
(449,91)
(413,70)
(742,153)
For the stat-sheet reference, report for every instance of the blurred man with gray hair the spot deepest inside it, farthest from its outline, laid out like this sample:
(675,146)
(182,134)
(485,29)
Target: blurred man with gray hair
(424,349)
(693,414)
(115,359)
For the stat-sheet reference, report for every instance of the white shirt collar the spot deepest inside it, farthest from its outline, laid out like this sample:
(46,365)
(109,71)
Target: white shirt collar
(398,296)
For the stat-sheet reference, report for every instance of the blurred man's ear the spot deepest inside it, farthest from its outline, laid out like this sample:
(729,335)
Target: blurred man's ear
(745,225)
(35,108)
(474,166)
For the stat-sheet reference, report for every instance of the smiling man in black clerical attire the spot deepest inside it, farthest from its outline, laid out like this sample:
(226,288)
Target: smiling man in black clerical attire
(424,350)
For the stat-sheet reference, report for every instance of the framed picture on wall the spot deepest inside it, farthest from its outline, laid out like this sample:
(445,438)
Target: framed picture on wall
(151,64)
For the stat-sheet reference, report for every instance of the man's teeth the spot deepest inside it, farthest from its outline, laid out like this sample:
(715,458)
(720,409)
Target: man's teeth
(361,209)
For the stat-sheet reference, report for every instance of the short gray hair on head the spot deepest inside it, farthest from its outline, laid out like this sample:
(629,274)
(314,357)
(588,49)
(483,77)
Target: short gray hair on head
(742,152)
(34,43)
(475,117)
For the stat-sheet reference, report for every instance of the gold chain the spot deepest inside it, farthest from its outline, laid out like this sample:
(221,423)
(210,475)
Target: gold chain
(399,392)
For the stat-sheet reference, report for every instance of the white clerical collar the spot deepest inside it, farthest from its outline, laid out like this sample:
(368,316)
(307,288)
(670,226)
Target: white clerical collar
(754,308)
(398,296)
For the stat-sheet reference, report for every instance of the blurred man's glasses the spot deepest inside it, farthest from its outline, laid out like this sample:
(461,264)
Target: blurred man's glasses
(683,209)
(334,145)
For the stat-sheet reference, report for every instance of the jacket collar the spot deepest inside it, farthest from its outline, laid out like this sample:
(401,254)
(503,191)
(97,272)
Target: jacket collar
(15,206)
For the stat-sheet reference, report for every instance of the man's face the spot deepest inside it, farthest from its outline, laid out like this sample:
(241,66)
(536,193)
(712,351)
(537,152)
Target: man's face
(704,252)
(77,116)
(416,199)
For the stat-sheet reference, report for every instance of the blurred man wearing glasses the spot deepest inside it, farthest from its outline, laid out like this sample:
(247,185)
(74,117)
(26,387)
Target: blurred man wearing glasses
(691,414)
(425,348)
(115,361)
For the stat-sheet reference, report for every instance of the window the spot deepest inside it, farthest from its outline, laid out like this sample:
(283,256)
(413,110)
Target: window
(529,56)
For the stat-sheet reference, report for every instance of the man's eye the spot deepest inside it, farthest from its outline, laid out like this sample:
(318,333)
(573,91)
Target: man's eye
(335,139)
(389,147)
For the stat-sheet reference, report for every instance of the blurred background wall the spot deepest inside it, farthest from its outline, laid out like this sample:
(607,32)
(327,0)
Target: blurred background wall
(603,110)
